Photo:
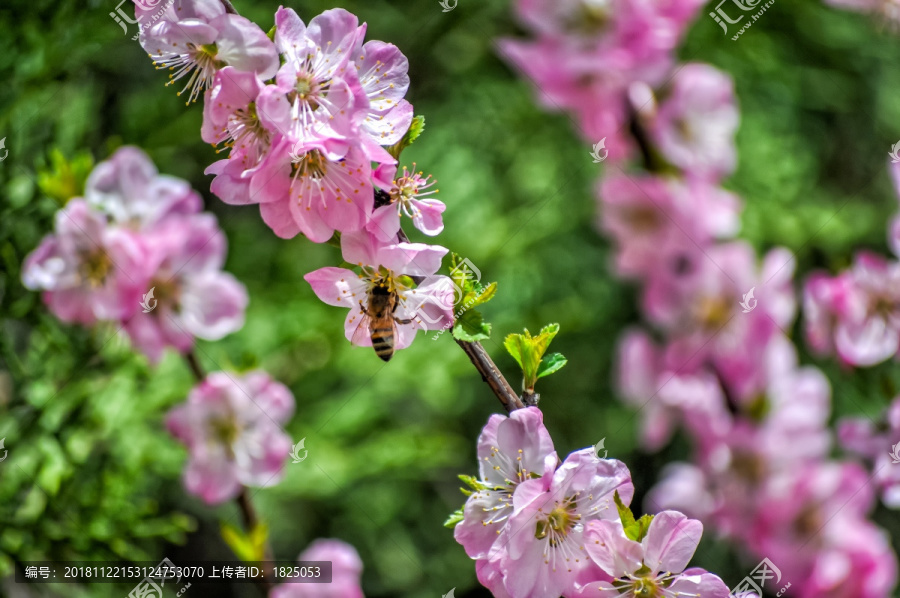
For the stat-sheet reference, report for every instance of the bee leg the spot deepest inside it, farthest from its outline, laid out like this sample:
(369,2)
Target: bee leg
(406,321)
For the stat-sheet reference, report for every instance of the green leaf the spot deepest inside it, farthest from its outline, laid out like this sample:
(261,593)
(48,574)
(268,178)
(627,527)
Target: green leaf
(643,526)
(625,513)
(472,482)
(471,327)
(529,351)
(415,129)
(454,518)
(635,530)
(64,179)
(551,363)
(485,294)
(247,547)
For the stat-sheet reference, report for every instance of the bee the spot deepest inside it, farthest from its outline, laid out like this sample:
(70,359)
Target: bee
(379,322)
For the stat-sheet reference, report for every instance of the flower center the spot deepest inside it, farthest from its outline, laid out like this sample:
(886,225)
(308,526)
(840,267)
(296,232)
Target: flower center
(409,187)
(748,467)
(166,292)
(643,219)
(808,521)
(589,19)
(557,525)
(247,133)
(713,312)
(225,431)
(883,306)
(645,587)
(199,63)
(311,164)
(95,267)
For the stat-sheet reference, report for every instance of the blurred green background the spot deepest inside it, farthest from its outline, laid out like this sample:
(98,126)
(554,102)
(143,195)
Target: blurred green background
(92,475)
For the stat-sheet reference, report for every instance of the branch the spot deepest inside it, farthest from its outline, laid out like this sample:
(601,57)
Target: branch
(489,371)
(251,521)
(192,362)
(492,375)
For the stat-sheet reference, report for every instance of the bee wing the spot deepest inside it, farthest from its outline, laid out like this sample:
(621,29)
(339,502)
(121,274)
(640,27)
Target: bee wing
(362,335)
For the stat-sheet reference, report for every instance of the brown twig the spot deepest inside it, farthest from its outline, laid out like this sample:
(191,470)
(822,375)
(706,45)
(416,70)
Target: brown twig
(251,521)
(491,374)
(194,364)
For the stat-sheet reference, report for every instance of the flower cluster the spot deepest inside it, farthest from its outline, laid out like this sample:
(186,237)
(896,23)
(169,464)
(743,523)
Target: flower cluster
(541,529)
(312,121)
(717,363)
(231,426)
(596,59)
(138,239)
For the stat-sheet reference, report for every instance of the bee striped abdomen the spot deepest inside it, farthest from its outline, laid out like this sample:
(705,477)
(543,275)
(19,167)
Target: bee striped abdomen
(383,341)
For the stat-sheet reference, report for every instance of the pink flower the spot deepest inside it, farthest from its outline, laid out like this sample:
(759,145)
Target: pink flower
(695,125)
(814,527)
(407,196)
(316,94)
(652,380)
(822,295)
(385,273)
(346,570)
(192,296)
(859,562)
(542,552)
(196,38)
(653,218)
(697,299)
(589,52)
(382,70)
(128,187)
(655,566)
(232,428)
(231,117)
(87,269)
(880,445)
(868,319)
(641,28)
(510,450)
(592,87)
(314,188)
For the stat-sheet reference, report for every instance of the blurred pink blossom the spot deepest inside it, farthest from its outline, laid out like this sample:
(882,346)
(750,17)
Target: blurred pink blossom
(231,425)
(192,296)
(878,443)
(88,270)
(652,218)
(859,309)
(695,124)
(131,191)
(346,570)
